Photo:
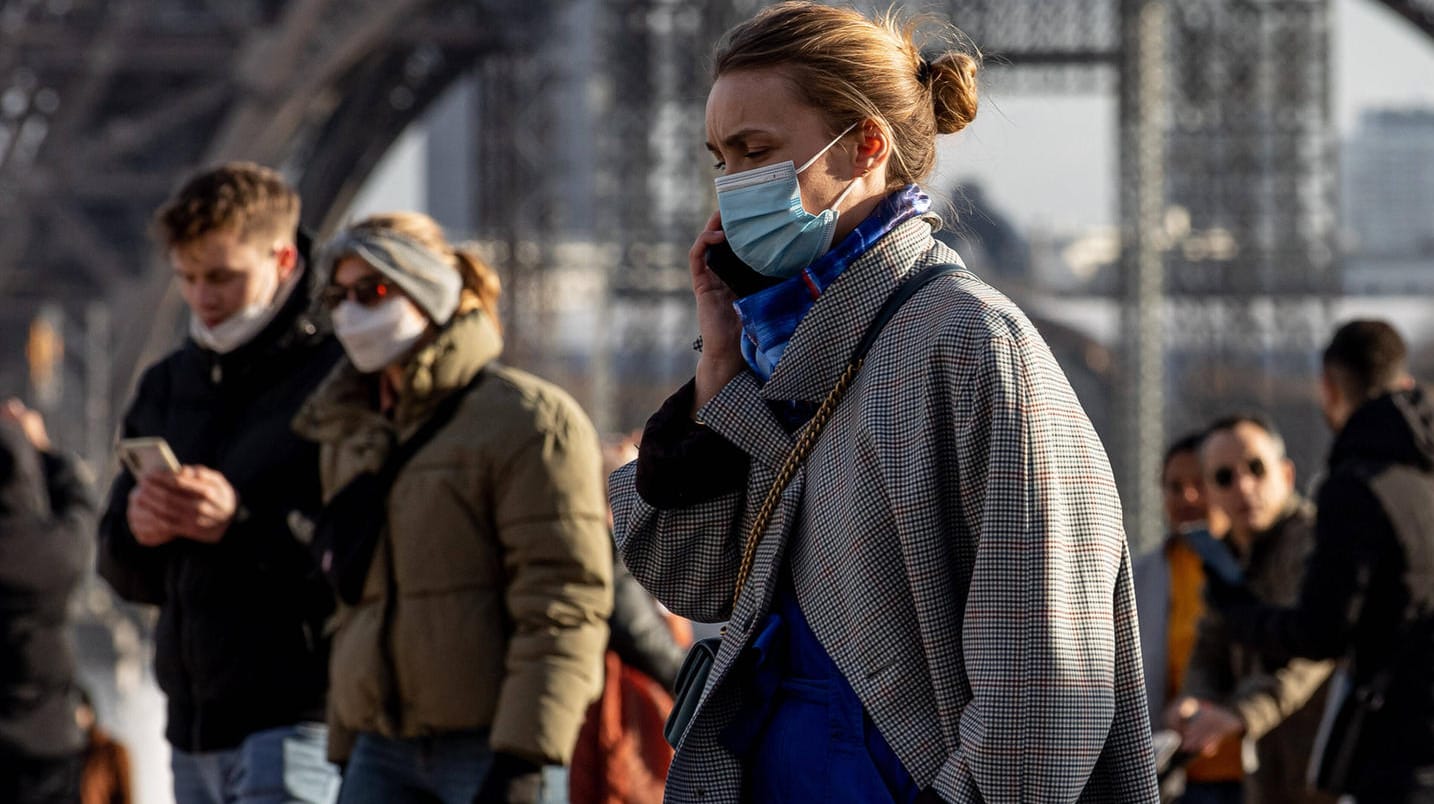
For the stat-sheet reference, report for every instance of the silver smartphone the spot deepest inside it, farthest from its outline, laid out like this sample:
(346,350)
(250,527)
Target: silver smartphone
(144,455)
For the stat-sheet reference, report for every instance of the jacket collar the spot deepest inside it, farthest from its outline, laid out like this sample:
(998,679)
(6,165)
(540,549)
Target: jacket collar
(1394,428)
(1298,512)
(300,320)
(824,341)
(344,401)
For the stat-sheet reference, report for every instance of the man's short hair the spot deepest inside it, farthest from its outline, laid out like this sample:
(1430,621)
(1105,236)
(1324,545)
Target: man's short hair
(251,200)
(1190,442)
(1233,420)
(1366,358)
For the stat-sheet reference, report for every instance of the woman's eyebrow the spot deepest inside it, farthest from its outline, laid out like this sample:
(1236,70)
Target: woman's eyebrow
(736,138)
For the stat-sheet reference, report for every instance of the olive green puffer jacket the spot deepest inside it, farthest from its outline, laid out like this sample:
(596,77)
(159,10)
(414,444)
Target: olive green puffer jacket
(501,559)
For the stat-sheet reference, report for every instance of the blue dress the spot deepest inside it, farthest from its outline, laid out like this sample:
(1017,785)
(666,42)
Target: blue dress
(803,734)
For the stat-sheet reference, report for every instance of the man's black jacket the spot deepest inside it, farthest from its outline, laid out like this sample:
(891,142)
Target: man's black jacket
(1373,564)
(46,546)
(239,646)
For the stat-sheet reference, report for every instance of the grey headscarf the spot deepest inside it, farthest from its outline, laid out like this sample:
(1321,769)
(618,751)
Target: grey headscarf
(429,281)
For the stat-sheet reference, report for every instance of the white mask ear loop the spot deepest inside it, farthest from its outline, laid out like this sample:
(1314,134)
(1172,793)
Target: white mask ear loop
(852,185)
(828,147)
(843,195)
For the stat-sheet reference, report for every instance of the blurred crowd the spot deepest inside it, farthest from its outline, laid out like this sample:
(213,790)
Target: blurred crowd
(377,553)
(386,567)
(1287,638)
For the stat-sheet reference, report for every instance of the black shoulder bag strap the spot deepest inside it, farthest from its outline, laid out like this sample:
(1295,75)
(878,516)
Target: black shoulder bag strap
(692,677)
(442,415)
(351,524)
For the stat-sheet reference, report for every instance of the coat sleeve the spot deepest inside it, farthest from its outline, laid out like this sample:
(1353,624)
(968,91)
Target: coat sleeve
(551,522)
(1049,635)
(44,551)
(640,635)
(681,537)
(1263,701)
(1351,531)
(136,573)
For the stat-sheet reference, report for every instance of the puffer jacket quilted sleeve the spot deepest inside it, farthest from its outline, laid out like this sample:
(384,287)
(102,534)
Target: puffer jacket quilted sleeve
(556,554)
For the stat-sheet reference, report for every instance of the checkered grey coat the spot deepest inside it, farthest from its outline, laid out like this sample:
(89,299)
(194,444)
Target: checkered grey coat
(955,539)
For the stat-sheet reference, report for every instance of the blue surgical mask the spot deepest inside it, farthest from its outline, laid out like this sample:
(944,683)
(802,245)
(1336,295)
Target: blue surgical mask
(765,222)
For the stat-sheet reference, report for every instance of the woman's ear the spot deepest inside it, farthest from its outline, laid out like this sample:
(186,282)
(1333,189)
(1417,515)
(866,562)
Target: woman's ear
(873,147)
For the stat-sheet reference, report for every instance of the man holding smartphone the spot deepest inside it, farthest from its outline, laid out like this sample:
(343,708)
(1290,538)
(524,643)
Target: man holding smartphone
(240,648)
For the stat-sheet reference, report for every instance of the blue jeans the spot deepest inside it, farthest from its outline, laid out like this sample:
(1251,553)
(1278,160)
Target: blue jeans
(286,765)
(448,769)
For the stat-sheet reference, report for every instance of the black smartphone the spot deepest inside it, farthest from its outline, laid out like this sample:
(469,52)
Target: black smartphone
(738,275)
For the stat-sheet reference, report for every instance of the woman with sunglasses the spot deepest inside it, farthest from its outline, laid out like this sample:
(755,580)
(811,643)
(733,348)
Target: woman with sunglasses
(936,603)
(465,668)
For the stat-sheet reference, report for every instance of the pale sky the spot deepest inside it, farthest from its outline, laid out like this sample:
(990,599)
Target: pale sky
(1049,161)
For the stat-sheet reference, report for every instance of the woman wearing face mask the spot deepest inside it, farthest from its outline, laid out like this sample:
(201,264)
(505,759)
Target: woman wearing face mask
(919,556)
(464,669)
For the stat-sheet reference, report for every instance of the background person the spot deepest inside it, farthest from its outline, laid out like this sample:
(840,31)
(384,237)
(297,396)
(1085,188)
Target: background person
(105,777)
(1368,592)
(47,510)
(241,651)
(466,667)
(1269,700)
(1169,590)
(622,756)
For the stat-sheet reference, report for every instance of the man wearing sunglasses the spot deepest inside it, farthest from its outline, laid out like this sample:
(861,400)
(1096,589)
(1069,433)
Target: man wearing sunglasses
(1230,691)
(240,646)
(1169,590)
(1368,594)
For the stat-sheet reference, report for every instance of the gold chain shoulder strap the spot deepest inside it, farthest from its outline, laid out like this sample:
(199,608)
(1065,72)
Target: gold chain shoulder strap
(800,450)
(813,429)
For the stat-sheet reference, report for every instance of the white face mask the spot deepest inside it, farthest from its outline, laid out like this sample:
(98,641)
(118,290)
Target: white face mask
(241,327)
(376,336)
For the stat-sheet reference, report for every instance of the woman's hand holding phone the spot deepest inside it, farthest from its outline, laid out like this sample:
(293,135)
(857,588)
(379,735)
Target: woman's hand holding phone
(718,323)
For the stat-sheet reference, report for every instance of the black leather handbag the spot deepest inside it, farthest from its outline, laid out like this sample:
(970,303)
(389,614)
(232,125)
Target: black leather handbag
(1350,706)
(1341,728)
(351,524)
(691,680)
(692,677)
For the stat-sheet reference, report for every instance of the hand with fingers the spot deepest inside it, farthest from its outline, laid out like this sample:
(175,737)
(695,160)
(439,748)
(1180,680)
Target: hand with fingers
(195,503)
(1202,725)
(29,421)
(717,321)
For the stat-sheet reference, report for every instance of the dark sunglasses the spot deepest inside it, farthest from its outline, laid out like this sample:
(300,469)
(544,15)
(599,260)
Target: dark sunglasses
(1225,475)
(367,292)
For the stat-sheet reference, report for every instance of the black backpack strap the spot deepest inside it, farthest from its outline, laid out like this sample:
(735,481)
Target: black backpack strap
(902,295)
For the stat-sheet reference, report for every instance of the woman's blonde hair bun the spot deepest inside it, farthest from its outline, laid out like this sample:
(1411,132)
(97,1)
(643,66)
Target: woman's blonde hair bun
(952,78)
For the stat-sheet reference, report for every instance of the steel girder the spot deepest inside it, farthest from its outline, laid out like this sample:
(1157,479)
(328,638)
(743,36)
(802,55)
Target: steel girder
(106,104)
(1419,13)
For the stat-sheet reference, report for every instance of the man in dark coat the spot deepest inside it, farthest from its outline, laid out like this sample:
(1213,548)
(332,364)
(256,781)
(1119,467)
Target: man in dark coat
(1271,701)
(46,534)
(1368,592)
(218,545)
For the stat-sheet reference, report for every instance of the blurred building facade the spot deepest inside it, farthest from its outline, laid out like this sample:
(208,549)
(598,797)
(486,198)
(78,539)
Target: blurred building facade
(1387,203)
